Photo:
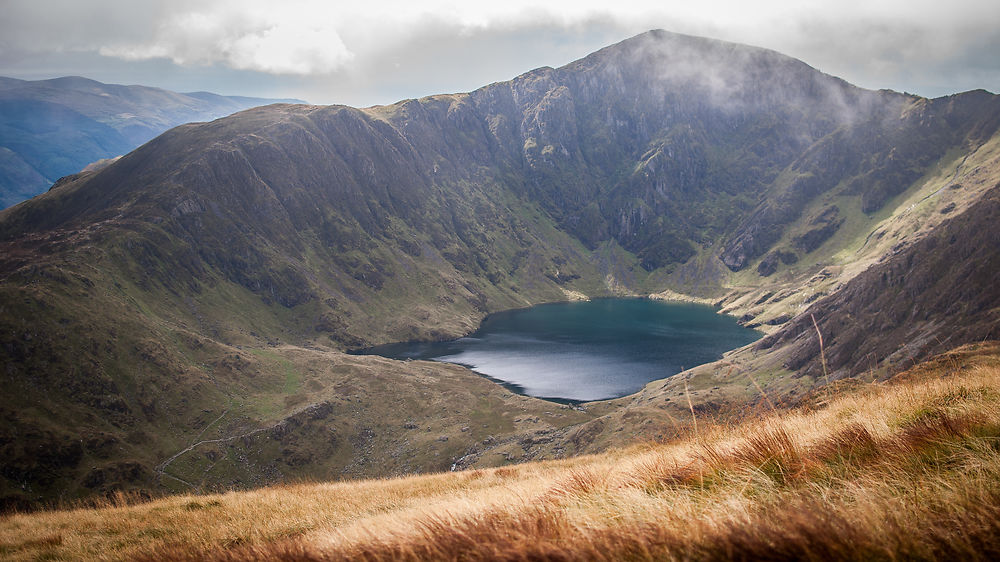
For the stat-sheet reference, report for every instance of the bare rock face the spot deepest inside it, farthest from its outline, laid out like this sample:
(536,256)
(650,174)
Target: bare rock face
(822,228)
(769,264)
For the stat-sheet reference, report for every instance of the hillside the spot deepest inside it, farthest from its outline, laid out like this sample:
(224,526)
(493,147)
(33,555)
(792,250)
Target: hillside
(54,128)
(902,469)
(917,301)
(177,320)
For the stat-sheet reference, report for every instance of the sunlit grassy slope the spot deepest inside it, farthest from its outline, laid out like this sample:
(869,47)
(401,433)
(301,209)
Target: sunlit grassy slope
(906,469)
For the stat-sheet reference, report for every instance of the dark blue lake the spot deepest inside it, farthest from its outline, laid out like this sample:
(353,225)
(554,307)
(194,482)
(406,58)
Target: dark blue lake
(586,350)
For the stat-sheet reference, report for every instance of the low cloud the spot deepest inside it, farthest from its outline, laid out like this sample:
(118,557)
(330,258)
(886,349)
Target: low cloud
(385,48)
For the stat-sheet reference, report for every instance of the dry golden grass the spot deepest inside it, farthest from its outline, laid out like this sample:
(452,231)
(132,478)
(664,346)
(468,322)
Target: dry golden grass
(909,470)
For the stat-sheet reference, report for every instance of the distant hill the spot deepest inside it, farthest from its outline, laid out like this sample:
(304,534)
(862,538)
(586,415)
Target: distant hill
(53,128)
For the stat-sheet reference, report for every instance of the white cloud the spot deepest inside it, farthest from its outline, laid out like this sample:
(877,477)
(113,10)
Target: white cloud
(255,36)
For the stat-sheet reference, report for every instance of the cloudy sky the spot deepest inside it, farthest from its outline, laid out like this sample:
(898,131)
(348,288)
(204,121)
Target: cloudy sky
(378,51)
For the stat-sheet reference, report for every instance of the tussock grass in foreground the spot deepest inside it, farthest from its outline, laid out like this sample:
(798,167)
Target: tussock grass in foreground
(890,471)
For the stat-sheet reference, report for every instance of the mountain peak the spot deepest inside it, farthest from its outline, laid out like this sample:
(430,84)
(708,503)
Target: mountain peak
(669,45)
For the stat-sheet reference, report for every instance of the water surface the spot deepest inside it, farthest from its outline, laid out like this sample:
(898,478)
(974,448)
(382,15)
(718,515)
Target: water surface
(590,350)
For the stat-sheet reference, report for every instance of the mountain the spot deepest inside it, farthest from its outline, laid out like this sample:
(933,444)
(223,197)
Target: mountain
(177,319)
(54,128)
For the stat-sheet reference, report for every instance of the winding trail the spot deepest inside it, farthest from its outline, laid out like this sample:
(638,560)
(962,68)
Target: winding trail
(161,468)
(954,177)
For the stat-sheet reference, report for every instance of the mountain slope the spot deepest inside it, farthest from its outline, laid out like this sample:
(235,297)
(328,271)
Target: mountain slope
(212,273)
(53,128)
(943,288)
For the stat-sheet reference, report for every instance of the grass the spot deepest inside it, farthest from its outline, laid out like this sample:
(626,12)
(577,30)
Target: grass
(908,469)
(292,378)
